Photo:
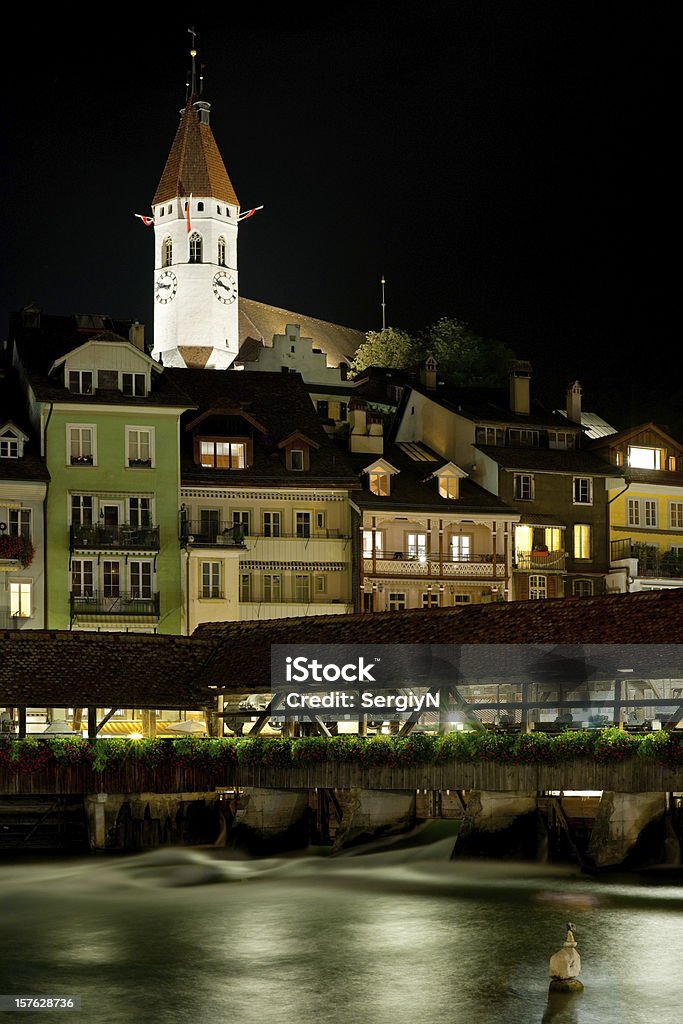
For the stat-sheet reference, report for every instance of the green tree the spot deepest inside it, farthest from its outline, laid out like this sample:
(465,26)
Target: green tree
(389,347)
(462,356)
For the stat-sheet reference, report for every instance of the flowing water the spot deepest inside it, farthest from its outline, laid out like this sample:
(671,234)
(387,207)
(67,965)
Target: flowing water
(396,934)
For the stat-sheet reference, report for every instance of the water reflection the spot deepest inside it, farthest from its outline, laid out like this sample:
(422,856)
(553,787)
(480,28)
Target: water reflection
(397,936)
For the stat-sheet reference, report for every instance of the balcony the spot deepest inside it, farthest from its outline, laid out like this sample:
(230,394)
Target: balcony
(538,559)
(96,537)
(122,603)
(652,563)
(203,534)
(399,563)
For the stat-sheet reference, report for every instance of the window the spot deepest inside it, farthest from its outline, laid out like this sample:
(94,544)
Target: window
(20,522)
(82,577)
(560,439)
(219,210)
(430,600)
(320,520)
(140,579)
(209,524)
(134,384)
(370,545)
(538,588)
(320,584)
(676,515)
(397,602)
(272,587)
(296,459)
(642,512)
(195,248)
(140,447)
(323,409)
(9,447)
(583,588)
(81,509)
(524,539)
(20,599)
(302,524)
(271,524)
(523,438)
(462,598)
(210,580)
(583,490)
(245,586)
(379,483)
(166,252)
(448,487)
(461,547)
(140,512)
(417,546)
(111,579)
(108,380)
(644,458)
(80,382)
(490,435)
(221,252)
(223,454)
(81,445)
(241,521)
(582,540)
(302,587)
(524,487)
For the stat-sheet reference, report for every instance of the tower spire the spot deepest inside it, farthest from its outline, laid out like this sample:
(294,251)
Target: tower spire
(193,55)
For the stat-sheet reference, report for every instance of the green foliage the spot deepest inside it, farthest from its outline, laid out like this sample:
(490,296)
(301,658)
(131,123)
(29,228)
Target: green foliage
(389,347)
(463,357)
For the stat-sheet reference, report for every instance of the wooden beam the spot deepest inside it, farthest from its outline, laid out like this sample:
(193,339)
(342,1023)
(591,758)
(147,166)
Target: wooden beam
(92,723)
(21,731)
(98,725)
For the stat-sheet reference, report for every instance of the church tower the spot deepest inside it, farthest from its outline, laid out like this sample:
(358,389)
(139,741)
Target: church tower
(195,211)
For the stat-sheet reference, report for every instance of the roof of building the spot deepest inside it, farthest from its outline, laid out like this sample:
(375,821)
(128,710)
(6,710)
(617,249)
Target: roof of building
(260,322)
(281,404)
(72,669)
(194,165)
(242,656)
(550,460)
(594,425)
(39,347)
(491,405)
(13,409)
(414,488)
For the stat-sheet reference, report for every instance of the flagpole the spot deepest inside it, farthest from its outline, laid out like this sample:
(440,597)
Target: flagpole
(384,306)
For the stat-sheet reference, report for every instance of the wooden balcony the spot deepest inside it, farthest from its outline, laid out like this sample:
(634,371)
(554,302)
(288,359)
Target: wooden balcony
(526,560)
(477,566)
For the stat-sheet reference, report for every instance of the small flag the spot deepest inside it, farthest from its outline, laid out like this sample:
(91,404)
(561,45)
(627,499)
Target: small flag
(249,213)
(147,221)
(187,214)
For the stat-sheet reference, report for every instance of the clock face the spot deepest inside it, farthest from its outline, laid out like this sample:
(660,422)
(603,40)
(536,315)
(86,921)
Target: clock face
(224,286)
(165,286)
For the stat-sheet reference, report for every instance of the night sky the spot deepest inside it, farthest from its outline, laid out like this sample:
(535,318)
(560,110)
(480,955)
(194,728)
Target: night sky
(509,164)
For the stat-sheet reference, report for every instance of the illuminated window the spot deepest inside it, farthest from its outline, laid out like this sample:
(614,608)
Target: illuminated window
(582,540)
(417,546)
(538,588)
(583,490)
(379,483)
(222,454)
(372,541)
(524,487)
(20,599)
(644,458)
(167,252)
(448,487)
(461,547)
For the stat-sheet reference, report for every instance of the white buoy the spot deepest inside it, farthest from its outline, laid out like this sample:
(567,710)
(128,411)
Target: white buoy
(565,965)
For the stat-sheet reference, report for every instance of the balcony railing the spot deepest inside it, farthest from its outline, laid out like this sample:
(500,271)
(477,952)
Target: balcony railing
(125,537)
(540,559)
(193,532)
(122,603)
(652,563)
(402,563)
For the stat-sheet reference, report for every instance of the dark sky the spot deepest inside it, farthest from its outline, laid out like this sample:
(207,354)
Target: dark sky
(509,164)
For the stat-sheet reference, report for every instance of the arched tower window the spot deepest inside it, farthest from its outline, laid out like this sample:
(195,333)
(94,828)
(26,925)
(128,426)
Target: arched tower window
(195,247)
(167,252)
(221,252)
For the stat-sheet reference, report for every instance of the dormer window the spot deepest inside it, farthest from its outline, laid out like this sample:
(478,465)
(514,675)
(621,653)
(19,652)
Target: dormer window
(448,487)
(80,382)
(644,458)
(12,443)
(379,483)
(215,454)
(134,384)
(297,459)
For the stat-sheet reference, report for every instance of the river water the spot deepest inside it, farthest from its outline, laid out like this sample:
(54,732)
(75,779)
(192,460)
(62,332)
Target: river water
(398,934)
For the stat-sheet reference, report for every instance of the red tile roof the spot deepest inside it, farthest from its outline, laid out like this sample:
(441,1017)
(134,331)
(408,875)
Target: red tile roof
(195,165)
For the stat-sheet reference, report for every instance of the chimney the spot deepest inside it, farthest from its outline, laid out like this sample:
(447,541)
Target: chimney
(520,387)
(365,429)
(31,315)
(574,402)
(203,110)
(428,373)
(136,335)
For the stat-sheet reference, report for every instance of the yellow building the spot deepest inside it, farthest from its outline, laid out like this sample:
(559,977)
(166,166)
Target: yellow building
(645,509)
